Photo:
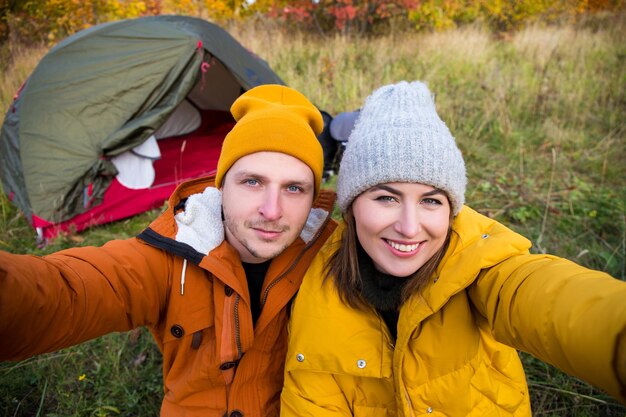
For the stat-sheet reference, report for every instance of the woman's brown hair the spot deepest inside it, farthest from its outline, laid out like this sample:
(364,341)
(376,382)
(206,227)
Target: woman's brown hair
(343,266)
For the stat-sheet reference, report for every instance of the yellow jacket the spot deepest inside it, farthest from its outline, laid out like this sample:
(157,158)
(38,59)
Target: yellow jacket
(452,354)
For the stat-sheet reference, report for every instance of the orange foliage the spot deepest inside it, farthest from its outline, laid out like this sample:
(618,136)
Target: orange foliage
(52,20)
(501,15)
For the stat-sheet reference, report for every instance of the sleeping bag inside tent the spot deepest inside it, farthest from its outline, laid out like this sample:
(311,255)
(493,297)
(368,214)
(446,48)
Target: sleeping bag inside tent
(113,118)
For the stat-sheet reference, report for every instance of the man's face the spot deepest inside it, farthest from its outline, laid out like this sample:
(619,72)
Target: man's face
(266,197)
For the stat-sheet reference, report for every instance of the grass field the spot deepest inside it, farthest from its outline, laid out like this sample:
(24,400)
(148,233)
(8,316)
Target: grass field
(539,115)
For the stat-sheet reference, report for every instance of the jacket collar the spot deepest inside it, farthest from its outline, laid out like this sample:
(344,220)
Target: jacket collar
(330,336)
(192,226)
(477,242)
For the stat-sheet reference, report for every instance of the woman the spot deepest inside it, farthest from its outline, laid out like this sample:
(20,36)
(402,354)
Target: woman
(418,304)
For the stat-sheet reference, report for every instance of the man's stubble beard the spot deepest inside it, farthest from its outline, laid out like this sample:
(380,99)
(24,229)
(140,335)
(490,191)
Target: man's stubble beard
(234,229)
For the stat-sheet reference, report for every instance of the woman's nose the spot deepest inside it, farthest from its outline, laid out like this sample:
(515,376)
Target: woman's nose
(408,223)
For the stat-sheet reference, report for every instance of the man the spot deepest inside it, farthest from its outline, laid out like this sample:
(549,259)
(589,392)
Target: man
(212,277)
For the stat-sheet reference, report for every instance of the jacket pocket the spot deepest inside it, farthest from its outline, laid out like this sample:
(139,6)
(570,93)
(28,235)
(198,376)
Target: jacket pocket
(184,326)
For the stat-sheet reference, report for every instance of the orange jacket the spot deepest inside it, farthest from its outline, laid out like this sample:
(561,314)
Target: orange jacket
(196,305)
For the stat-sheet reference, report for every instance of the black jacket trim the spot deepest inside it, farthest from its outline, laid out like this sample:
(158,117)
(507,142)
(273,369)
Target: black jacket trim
(170,245)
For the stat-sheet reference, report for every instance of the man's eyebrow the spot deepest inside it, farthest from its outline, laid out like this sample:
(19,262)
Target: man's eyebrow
(249,174)
(245,173)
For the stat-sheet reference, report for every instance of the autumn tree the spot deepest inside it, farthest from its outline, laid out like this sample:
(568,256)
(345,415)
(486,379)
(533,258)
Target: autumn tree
(343,16)
(52,20)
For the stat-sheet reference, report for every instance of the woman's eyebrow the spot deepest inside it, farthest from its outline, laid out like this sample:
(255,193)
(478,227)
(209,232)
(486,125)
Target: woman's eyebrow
(394,191)
(434,192)
(386,188)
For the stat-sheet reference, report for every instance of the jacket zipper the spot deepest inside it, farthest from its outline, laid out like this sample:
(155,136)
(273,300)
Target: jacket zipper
(237,329)
(408,400)
(273,283)
(295,262)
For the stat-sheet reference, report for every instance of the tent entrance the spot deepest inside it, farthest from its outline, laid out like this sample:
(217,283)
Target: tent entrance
(183,157)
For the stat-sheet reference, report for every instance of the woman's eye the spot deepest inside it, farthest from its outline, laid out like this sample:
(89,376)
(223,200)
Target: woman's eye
(431,201)
(385,198)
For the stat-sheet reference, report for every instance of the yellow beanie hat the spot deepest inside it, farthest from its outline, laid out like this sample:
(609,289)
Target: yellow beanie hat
(274,118)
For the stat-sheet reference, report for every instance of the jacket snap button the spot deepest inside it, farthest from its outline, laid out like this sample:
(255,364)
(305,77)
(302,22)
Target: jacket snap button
(177,331)
(429,410)
(236,413)
(361,363)
(227,365)
(228,291)
(300,357)
(485,236)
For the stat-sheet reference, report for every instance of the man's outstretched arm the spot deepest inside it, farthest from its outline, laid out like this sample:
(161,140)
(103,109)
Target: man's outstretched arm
(51,302)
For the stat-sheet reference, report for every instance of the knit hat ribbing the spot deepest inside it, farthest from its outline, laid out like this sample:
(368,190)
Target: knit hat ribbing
(274,118)
(400,138)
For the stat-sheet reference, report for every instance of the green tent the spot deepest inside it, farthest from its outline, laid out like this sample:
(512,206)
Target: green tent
(101,93)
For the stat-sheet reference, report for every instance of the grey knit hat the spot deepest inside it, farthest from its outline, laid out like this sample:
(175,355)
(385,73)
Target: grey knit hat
(400,138)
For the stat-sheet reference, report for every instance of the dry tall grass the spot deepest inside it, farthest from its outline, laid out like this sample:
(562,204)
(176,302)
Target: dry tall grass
(15,71)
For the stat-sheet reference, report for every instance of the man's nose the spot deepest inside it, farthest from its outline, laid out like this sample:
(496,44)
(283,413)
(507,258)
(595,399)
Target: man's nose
(270,207)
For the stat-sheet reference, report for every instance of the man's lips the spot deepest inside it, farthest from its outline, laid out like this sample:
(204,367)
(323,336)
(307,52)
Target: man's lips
(268,233)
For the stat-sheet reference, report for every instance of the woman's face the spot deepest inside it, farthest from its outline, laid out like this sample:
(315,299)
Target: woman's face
(401,225)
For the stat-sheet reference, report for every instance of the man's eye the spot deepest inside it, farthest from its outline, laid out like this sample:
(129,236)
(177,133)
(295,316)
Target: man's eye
(251,182)
(294,189)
